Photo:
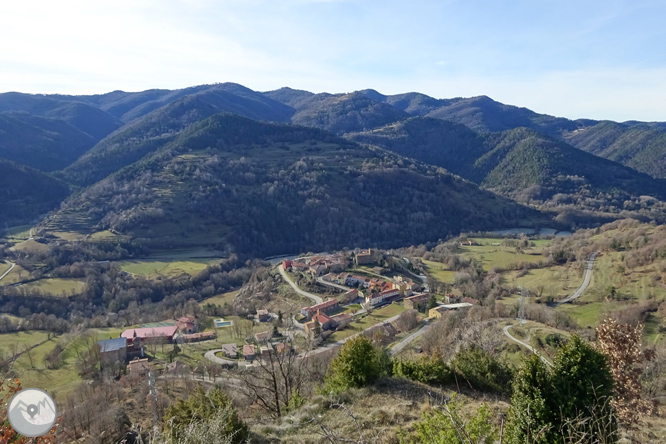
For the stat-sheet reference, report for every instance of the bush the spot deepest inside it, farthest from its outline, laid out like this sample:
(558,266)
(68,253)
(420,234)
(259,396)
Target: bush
(429,370)
(482,370)
(203,412)
(358,364)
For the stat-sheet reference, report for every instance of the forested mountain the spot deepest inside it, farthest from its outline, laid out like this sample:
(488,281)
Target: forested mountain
(26,193)
(85,116)
(510,150)
(343,113)
(260,188)
(151,132)
(524,165)
(39,142)
(640,146)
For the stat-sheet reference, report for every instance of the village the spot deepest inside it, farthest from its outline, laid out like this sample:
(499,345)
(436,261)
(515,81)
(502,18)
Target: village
(364,285)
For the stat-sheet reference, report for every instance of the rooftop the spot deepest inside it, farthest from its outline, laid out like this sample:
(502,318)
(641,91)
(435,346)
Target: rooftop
(149,332)
(109,345)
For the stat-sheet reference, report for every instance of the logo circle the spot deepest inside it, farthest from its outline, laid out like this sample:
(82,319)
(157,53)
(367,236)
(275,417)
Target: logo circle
(32,412)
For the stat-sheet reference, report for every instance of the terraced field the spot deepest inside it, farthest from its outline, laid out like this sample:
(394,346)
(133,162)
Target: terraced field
(58,287)
(171,269)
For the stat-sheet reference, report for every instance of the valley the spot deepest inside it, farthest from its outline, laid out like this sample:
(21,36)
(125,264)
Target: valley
(135,227)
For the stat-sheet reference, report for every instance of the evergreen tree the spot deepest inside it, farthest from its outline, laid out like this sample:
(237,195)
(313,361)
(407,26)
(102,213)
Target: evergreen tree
(570,401)
(358,364)
(199,408)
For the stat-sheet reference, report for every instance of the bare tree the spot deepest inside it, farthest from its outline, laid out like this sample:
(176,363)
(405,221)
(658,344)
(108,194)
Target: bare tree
(276,379)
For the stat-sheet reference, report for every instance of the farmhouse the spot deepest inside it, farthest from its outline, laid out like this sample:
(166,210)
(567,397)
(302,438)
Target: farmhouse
(417,302)
(382,297)
(437,312)
(263,336)
(112,351)
(163,333)
(286,264)
(325,323)
(248,352)
(353,280)
(263,315)
(230,351)
(138,367)
(187,324)
(324,307)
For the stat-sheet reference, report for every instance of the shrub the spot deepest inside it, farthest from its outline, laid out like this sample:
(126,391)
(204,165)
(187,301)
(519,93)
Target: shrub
(357,364)
(482,370)
(429,370)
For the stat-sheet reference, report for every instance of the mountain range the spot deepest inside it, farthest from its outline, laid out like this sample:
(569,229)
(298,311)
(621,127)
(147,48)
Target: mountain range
(269,172)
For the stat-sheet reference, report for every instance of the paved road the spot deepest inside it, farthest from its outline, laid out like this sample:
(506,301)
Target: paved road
(586,280)
(210,355)
(314,297)
(332,284)
(526,345)
(397,348)
(8,271)
(326,347)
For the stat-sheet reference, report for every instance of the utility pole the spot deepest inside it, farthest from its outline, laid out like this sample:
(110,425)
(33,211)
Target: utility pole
(153,393)
(521,309)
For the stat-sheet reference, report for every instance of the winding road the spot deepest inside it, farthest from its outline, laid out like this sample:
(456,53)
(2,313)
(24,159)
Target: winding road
(587,278)
(397,348)
(8,271)
(586,281)
(526,345)
(285,276)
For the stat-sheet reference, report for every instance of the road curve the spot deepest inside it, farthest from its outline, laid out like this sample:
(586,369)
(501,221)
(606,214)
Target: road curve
(397,348)
(586,281)
(8,271)
(314,297)
(332,284)
(526,345)
(210,355)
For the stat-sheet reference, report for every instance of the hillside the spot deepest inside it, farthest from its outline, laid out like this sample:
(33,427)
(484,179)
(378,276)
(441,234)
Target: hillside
(343,113)
(641,147)
(262,189)
(41,143)
(26,193)
(524,165)
(151,132)
(230,97)
(71,109)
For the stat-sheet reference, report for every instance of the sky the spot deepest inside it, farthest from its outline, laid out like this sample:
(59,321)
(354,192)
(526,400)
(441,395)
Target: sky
(575,59)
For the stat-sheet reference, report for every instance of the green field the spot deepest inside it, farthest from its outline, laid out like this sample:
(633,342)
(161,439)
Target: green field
(587,315)
(368,321)
(498,255)
(439,272)
(16,234)
(17,274)
(59,382)
(220,299)
(154,268)
(556,281)
(58,287)
(30,246)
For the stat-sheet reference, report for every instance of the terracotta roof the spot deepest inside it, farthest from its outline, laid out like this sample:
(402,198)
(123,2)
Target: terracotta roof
(149,332)
(248,349)
(322,306)
(321,317)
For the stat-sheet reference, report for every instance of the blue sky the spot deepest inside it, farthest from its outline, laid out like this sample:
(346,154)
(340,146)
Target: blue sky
(602,60)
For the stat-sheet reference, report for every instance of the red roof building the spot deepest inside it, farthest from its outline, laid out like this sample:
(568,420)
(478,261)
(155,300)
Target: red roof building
(150,332)
(324,307)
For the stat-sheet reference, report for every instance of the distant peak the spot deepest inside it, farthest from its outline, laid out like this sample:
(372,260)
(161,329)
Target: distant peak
(373,94)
